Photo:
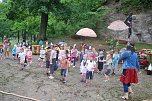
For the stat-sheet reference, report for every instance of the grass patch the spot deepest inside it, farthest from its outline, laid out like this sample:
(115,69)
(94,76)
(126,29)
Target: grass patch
(138,46)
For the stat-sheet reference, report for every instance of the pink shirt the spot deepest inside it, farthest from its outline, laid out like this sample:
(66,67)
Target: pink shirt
(74,52)
(64,64)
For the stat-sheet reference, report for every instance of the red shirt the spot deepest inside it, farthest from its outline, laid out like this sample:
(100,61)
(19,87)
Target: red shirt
(144,61)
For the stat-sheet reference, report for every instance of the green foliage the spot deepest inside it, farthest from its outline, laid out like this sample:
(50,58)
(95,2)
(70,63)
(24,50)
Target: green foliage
(65,16)
(4,22)
(135,5)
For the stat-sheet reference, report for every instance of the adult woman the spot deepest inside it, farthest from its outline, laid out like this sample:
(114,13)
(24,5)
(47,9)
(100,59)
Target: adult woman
(129,74)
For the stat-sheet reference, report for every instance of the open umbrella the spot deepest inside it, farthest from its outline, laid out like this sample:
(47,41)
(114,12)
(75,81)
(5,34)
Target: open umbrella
(118,25)
(86,32)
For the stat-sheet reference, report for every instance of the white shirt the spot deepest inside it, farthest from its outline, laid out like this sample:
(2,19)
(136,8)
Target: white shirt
(22,56)
(54,53)
(90,65)
(18,49)
(83,68)
(42,54)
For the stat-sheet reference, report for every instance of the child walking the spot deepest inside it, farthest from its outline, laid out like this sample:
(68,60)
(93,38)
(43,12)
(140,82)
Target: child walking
(18,48)
(91,66)
(83,68)
(29,56)
(64,67)
(22,58)
(14,52)
(47,58)
(108,66)
(42,57)
(115,60)
(100,61)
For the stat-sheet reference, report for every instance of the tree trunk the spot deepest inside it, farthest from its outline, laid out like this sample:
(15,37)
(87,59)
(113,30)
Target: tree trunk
(43,27)
(2,38)
(34,38)
(24,36)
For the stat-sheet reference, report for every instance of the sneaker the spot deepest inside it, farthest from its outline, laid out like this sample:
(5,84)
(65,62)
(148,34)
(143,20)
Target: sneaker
(73,66)
(64,81)
(51,77)
(106,80)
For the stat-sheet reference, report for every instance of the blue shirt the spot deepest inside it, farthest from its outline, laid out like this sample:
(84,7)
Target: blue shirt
(40,42)
(130,60)
(14,50)
(115,58)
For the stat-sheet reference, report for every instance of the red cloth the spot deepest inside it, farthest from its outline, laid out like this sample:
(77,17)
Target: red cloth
(129,77)
(144,62)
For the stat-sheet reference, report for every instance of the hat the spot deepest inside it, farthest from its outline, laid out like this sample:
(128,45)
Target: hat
(90,47)
(92,56)
(15,45)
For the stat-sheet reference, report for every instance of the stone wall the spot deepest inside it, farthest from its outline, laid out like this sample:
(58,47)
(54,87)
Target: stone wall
(142,26)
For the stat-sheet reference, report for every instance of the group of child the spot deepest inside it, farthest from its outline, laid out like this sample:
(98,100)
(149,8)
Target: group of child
(54,56)
(106,64)
(23,54)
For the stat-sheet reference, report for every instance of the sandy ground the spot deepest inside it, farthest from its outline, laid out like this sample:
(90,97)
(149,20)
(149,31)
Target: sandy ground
(33,82)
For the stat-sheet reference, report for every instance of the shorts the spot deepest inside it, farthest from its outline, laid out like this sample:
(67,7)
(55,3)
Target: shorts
(107,72)
(1,54)
(89,75)
(63,72)
(29,59)
(114,65)
(14,54)
(41,59)
(6,48)
(48,64)
(22,61)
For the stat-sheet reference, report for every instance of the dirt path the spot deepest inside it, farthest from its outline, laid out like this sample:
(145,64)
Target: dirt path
(33,82)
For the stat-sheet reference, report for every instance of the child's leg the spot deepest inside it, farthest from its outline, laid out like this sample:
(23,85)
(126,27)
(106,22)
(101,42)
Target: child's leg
(42,62)
(62,77)
(87,77)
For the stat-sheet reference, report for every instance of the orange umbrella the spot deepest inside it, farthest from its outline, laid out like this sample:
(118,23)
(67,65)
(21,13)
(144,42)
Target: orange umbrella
(86,32)
(118,26)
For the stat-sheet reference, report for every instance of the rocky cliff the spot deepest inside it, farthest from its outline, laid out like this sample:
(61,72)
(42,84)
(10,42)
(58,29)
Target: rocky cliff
(141,27)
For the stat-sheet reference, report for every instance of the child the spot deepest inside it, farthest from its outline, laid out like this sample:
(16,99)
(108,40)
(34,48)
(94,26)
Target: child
(22,58)
(14,52)
(47,57)
(108,66)
(1,52)
(81,55)
(74,52)
(42,56)
(144,62)
(115,60)
(29,56)
(100,60)
(91,66)
(18,48)
(83,68)
(64,67)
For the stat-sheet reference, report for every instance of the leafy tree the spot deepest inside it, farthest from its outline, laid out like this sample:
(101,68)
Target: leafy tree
(4,22)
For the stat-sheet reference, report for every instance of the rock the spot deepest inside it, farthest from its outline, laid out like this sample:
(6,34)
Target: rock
(141,27)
